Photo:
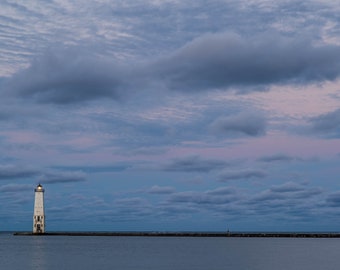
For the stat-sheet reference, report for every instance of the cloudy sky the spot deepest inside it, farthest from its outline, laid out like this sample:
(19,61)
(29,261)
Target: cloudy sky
(171,115)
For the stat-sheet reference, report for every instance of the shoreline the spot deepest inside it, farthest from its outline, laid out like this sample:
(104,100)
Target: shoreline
(189,234)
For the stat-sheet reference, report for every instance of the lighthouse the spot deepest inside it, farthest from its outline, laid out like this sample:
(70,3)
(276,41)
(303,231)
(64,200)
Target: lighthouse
(39,214)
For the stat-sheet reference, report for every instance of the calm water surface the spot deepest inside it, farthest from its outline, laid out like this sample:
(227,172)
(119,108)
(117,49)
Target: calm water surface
(167,253)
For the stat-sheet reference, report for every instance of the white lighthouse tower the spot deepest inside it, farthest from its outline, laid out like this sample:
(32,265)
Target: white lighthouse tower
(39,214)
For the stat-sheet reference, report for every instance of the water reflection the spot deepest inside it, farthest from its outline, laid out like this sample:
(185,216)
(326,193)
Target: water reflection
(38,253)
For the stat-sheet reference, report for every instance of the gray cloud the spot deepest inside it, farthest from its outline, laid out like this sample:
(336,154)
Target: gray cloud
(277,158)
(292,200)
(62,177)
(210,197)
(212,61)
(161,190)
(228,60)
(243,174)
(14,171)
(286,193)
(333,199)
(70,75)
(249,124)
(296,191)
(327,124)
(194,164)
(222,191)
(15,188)
(287,187)
(134,207)
(95,169)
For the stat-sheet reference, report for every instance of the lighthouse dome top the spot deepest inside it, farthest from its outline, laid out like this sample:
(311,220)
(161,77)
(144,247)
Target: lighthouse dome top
(39,188)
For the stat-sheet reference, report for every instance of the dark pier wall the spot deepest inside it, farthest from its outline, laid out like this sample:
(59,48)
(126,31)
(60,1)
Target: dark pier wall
(187,234)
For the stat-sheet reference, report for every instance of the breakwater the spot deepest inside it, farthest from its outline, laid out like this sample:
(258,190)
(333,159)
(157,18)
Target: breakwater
(189,234)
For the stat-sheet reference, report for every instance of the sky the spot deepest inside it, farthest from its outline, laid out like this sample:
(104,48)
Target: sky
(152,115)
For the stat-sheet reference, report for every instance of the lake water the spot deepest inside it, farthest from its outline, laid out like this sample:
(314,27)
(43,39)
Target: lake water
(167,253)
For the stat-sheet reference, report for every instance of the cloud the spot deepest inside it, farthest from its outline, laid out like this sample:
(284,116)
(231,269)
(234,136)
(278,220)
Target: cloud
(70,75)
(15,188)
(226,60)
(135,206)
(327,124)
(95,169)
(62,177)
(161,190)
(210,197)
(277,158)
(221,191)
(245,174)
(14,171)
(333,199)
(249,124)
(288,187)
(286,193)
(194,164)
